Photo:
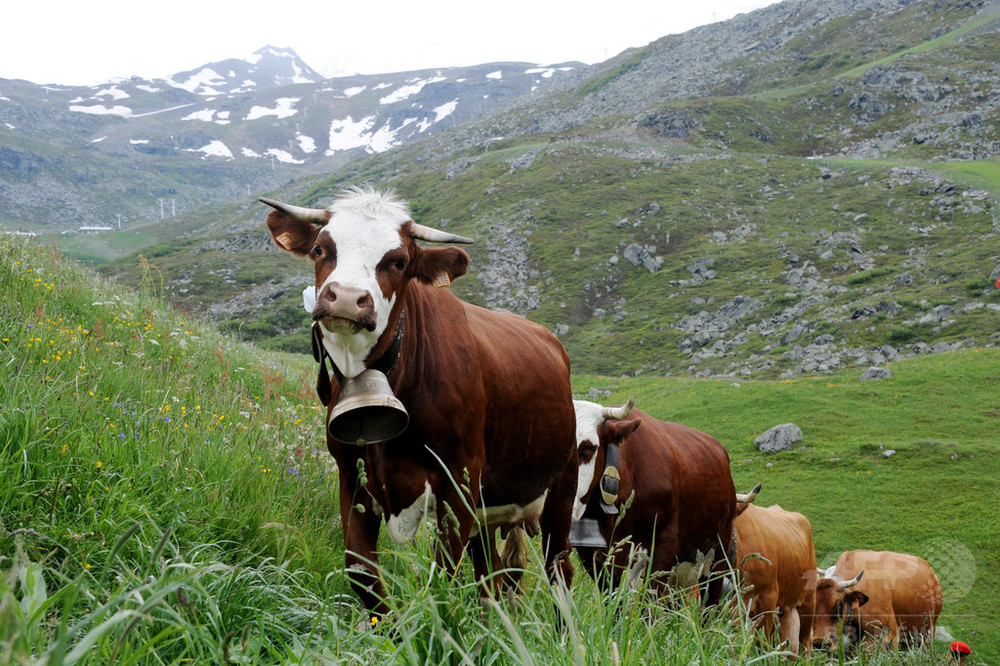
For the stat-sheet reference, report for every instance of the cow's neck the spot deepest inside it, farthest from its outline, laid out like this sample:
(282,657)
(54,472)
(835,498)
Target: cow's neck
(384,356)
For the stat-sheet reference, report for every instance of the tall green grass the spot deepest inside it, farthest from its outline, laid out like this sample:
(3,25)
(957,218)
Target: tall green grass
(165,498)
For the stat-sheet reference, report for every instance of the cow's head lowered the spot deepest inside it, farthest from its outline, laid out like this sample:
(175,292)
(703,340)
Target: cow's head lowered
(364,249)
(837,616)
(597,428)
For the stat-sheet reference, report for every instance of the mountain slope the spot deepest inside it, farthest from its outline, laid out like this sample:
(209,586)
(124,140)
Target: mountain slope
(112,154)
(730,234)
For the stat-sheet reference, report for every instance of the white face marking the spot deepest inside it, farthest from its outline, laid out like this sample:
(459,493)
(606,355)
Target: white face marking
(588,416)
(349,351)
(364,227)
(403,526)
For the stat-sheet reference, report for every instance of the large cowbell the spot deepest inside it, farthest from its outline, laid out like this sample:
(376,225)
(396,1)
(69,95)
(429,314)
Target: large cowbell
(586,533)
(367,411)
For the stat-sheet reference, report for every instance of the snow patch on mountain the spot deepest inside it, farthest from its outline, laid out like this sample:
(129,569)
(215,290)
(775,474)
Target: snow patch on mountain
(298,76)
(283,156)
(445,110)
(409,89)
(283,109)
(248,85)
(213,148)
(348,133)
(306,143)
(200,82)
(101,110)
(385,137)
(547,72)
(209,116)
(205,115)
(114,92)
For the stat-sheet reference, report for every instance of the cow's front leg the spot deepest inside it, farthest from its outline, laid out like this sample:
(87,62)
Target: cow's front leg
(485,562)
(456,526)
(361,528)
(664,559)
(557,515)
(595,563)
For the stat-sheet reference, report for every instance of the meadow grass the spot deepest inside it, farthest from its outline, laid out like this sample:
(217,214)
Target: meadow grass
(165,498)
(932,497)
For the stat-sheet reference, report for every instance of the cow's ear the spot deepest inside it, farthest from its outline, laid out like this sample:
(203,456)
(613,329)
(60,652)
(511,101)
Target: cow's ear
(860,597)
(291,234)
(619,430)
(433,264)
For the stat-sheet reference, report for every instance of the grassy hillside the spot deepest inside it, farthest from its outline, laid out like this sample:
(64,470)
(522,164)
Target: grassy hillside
(165,498)
(554,224)
(843,186)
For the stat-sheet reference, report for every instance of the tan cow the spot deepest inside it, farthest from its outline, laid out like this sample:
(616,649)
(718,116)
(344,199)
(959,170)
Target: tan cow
(877,597)
(777,566)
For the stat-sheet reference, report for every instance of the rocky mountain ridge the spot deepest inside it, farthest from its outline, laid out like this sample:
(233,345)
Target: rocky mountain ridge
(825,197)
(668,90)
(111,153)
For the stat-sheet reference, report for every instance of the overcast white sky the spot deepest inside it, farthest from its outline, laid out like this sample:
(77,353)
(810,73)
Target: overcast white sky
(87,43)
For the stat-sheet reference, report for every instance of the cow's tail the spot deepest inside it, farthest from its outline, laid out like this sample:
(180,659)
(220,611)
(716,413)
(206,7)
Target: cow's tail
(514,549)
(514,557)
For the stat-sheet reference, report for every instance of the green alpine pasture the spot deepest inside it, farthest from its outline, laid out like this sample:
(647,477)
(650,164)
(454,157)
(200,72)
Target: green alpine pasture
(166,498)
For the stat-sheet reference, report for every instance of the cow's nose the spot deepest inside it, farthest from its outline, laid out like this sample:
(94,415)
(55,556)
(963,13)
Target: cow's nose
(338,300)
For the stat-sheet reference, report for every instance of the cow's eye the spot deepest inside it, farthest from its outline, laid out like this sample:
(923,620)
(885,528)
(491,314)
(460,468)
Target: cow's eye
(317,251)
(400,265)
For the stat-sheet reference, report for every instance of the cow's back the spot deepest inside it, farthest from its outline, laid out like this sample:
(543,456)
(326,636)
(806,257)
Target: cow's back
(785,539)
(683,476)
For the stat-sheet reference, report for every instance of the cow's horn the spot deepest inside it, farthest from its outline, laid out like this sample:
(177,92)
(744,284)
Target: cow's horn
(436,235)
(750,496)
(314,215)
(844,584)
(618,412)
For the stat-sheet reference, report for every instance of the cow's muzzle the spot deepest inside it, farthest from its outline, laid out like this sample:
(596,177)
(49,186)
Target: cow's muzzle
(342,307)
(335,324)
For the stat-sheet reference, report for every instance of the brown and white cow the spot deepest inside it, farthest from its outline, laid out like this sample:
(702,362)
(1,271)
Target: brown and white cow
(675,482)
(877,597)
(777,564)
(490,440)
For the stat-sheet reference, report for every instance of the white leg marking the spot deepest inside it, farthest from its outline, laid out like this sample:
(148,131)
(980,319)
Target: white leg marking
(404,525)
